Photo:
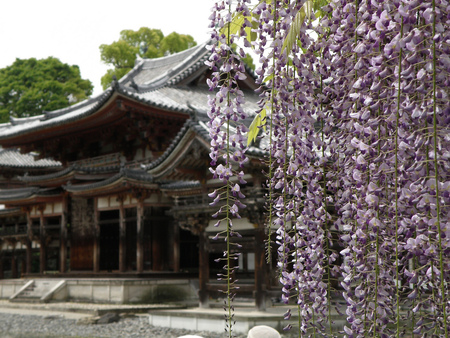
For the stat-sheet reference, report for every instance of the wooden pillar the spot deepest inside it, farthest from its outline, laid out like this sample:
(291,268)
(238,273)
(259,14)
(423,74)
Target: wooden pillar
(260,270)
(96,253)
(140,237)
(22,266)
(176,247)
(29,253)
(122,238)
(63,237)
(203,271)
(42,242)
(13,261)
(28,256)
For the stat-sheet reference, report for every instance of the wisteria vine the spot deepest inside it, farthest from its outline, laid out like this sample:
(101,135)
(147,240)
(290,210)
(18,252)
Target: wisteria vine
(359,177)
(227,134)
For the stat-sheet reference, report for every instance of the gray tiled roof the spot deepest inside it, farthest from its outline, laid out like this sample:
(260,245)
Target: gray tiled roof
(20,126)
(179,185)
(10,211)
(12,158)
(24,193)
(187,99)
(155,82)
(69,170)
(160,83)
(124,173)
(149,74)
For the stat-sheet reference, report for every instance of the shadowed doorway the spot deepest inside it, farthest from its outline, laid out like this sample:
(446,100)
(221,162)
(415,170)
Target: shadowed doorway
(109,240)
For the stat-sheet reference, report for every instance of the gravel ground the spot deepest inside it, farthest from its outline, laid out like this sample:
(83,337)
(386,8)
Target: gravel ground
(28,326)
(28,320)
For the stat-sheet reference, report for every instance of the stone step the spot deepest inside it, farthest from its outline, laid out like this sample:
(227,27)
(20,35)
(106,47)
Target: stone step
(36,290)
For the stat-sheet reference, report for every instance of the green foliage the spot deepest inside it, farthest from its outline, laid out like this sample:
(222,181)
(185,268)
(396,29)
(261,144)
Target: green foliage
(258,122)
(174,43)
(294,30)
(290,40)
(145,43)
(29,87)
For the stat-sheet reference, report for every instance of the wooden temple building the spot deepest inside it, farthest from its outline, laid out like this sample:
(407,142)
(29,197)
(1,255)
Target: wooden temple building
(116,186)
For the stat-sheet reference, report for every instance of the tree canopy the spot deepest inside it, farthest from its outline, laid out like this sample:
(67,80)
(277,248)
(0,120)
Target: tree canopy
(30,86)
(145,43)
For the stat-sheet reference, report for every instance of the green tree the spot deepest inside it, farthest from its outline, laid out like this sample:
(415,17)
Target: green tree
(145,43)
(29,86)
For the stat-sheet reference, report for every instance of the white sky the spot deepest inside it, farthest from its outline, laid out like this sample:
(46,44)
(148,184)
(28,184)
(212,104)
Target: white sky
(73,30)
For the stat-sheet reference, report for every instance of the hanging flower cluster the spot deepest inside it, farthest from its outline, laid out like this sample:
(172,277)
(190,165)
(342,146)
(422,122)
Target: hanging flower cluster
(359,133)
(388,91)
(227,132)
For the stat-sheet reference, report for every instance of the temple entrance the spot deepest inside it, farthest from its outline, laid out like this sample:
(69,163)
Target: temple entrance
(109,240)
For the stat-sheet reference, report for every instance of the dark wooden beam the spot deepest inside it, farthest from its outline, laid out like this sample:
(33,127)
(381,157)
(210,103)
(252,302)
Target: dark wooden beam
(122,238)
(42,241)
(63,237)
(96,250)
(140,236)
(13,262)
(28,242)
(176,247)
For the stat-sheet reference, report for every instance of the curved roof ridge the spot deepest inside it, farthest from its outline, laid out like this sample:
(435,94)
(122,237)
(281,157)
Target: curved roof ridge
(93,170)
(181,185)
(192,69)
(27,178)
(46,115)
(188,58)
(12,158)
(28,192)
(8,211)
(8,194)
(42,122)
(81,187)
(130,75)
(55,113)
(22,120)
(135,174)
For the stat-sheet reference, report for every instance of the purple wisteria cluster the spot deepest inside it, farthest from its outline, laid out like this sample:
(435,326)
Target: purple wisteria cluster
(388,89)
(227,132)
(359,179)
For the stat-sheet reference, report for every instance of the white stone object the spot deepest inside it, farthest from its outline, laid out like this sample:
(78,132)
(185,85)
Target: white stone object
(190,336)
(263,331)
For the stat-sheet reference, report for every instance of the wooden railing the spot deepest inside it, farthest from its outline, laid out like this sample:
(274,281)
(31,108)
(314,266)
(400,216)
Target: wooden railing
(7,231)
(21,230)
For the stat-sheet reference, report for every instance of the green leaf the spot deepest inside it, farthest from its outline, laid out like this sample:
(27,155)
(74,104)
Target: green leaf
(252,36)
(258,122)
(268,78)
(235,24)
(294,30)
